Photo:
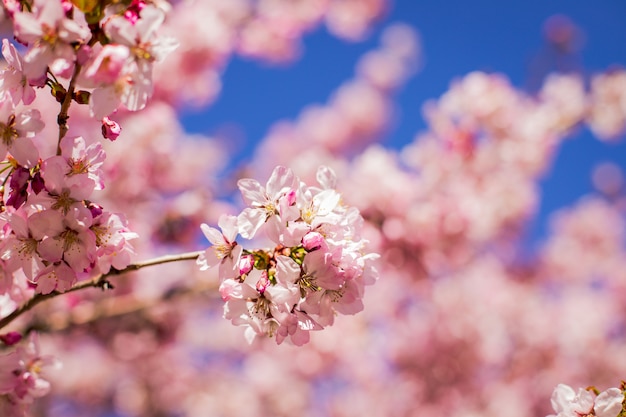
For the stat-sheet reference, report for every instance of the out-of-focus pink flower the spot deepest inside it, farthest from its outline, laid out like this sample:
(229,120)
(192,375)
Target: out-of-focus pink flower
(10,338)
(12,78)
(49,34)
(607,104)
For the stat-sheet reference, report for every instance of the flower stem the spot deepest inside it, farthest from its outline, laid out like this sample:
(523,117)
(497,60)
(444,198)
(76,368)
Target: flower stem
(65,106)
(99,281)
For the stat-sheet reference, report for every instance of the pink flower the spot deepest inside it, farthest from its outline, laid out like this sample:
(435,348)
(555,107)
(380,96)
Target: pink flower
(123,69)
(21,251)
(12,78)
(75,244)
(49,34)
(609,403)
(117,80)
(22,372)
(107,65)
(55,277)
(16,129)
(297,328)
(567,403)
(265,201)
(132,90)
(224,250)
(141,37)
(112,241)
(83,160)
(67,191)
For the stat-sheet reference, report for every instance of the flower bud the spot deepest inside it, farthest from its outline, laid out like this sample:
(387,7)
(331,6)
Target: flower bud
(10,338)
(37,183)
(263,283)
(110,129)
(312,241)
(82,97)
(246,263)
(95,209)
(291,198)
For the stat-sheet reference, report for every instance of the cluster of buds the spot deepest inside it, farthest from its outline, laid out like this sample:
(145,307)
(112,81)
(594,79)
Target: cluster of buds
(316,268)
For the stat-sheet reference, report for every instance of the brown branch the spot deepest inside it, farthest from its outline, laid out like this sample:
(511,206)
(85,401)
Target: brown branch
(113,307)
(99,281)
(65,106)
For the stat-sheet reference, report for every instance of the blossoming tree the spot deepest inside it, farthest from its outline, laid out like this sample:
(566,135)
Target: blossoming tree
(102,188)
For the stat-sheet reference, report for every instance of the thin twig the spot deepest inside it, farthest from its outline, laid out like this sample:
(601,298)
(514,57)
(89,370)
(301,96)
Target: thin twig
(99,281)
(65,106)
(112,307)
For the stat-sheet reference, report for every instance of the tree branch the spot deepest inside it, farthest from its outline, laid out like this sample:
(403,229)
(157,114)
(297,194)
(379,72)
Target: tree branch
(99,281)
(65,106)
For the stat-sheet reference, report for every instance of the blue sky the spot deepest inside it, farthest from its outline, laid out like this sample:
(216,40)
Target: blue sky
(458,36)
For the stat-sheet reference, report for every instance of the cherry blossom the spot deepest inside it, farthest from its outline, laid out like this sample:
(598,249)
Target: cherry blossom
(22,378)
(16,130)
(300,285)
(50,35)
(12,78)
(224,250)
(566,402)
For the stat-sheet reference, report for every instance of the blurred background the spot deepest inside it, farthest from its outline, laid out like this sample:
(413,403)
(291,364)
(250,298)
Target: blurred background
(523,40)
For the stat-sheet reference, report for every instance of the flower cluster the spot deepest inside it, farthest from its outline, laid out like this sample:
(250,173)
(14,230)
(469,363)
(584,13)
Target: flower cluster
(587,402)
(96,59)
(316,269)
(53,233)
(95,53)
(22,377)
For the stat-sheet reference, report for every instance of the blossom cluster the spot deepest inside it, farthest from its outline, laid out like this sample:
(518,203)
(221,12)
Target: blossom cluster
(97,58)
(317,268)
(54,231)
(22,377)
(587,402)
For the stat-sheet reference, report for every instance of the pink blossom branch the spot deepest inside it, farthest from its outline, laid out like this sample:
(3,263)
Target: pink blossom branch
(99,281)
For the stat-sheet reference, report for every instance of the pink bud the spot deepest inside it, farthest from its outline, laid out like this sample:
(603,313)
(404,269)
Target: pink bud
(67,5)
(83,54)
(246,263)
(263,283)
(95,209)
(110,129)
(19,184)
(312,241)
(133,11)
(10,338)
(291,198)
(37,183)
